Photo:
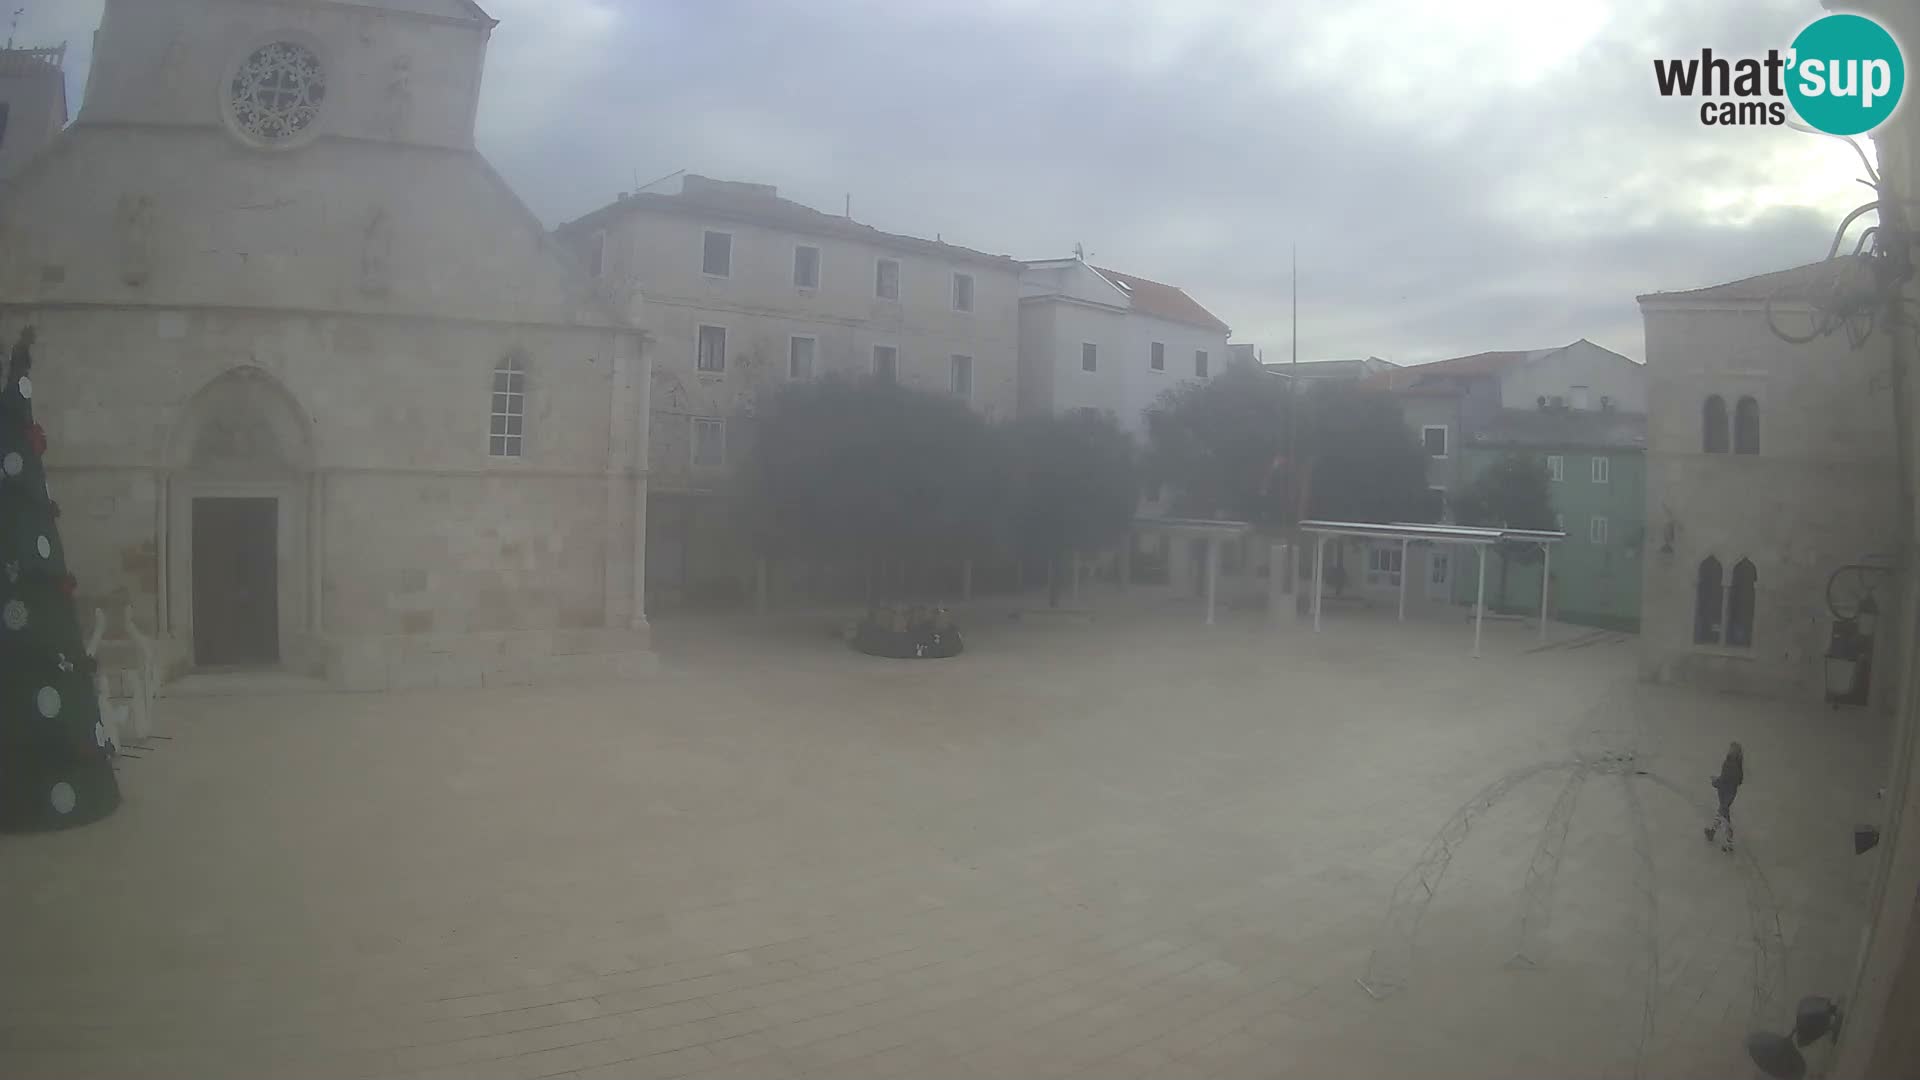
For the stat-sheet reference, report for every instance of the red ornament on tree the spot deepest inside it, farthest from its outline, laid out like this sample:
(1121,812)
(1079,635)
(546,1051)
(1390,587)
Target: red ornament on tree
(37,438)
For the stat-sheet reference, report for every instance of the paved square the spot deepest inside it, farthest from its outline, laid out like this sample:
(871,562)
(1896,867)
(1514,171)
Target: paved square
(1132,847)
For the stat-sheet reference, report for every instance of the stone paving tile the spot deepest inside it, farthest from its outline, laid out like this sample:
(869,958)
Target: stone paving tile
(1125,851)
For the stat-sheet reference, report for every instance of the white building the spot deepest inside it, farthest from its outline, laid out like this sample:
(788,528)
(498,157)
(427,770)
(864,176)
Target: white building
(33,103)
(319,394)
(747,291)
(1092,338)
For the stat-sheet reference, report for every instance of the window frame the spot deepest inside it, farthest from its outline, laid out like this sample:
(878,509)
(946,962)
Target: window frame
(813,357)
(704,234)
(1709,633)
(878,262)
(1157,356)
(819,261)
(699,333)
(1392,569)
(954,297)
(1090,356)
(954,367)
(512,444)
(1202,364)
(893,376)
(1741,613)
(1598,530)
(693,447)
(1446,441)
(597,254)
(1601,469)
(1556,468)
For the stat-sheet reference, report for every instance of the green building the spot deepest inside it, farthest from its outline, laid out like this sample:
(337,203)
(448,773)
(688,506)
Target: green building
(1597,468)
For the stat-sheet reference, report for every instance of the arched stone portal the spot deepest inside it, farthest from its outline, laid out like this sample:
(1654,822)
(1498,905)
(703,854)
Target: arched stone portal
(241,508)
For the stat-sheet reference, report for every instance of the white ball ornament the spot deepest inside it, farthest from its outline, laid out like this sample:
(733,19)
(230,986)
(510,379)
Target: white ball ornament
(45,549)
(48,702)
(62,798)
(14,615)
(26,388)
(12,463)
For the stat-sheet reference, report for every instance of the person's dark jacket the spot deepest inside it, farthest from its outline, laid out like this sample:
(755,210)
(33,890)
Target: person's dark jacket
(1733,773)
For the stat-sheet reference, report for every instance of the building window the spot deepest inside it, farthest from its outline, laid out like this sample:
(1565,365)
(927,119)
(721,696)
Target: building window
(4,109)
(1434,438)
(709,442)
(806,266)
(1708,598)
(1601,467)
(886,363)
(1556,468)
(712,352)
(963,292)
(1740,605)
(1578,396)
(1200,363)
(800,352)
(1383,565)
(597,254)
(716,258)
(1597,529)
(1746,426)
(1089,356)
(960,381)
(505,429)
(1713,425)
(1439,567)
(1436,507)
(277,93)
(1157,357)
(886,279)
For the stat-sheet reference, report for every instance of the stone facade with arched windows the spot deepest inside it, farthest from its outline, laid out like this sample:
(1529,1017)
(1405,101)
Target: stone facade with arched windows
(273,282)
(1770,464)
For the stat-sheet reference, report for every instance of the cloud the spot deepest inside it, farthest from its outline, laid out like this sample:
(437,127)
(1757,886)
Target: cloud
(1477,175)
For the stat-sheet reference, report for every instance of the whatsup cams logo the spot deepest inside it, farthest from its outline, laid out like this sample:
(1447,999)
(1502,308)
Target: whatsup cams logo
(1842,75)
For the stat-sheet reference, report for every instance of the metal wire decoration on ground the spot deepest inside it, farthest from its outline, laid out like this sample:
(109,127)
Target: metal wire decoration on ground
(1602,752)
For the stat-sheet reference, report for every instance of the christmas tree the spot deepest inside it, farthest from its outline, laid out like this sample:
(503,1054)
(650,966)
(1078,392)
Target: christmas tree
(56,767)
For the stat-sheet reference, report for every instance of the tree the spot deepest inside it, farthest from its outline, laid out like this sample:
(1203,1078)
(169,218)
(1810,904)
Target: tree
(1222,445)
(862,468)
(1512,493)
(55,766)
(1072,485)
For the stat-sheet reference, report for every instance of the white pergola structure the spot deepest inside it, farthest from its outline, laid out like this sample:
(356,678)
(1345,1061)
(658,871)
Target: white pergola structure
(1461,535)
(1213,532)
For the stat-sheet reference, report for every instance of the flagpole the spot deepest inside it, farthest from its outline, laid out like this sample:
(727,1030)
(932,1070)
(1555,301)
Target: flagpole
(1293,462)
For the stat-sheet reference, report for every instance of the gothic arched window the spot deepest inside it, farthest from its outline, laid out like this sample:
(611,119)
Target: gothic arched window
(1746,426)
(1740,605)
(1713,425)
(1708,601)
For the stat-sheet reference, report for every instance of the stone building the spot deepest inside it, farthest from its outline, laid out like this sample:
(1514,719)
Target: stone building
(1770,466)
(747,291)
(321,394)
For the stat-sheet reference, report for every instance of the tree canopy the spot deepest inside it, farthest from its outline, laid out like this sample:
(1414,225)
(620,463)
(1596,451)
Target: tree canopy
(1222,446)
(1073,484)
(866,469)
(1513,493)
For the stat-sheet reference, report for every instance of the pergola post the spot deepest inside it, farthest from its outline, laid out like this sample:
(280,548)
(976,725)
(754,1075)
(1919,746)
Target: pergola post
(1480,600)
(1546,583)
(1403,579)
(1319,575)
(1213,573)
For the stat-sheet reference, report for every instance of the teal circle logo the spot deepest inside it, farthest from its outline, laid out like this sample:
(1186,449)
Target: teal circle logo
(1847,74)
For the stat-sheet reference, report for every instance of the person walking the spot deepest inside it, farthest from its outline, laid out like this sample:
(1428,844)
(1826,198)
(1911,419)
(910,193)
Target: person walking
(1733,773)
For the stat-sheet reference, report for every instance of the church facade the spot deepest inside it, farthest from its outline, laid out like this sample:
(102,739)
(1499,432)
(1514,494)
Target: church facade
(322,394)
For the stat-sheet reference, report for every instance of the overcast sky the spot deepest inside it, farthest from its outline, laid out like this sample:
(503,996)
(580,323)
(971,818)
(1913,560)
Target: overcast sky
(1461,176)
